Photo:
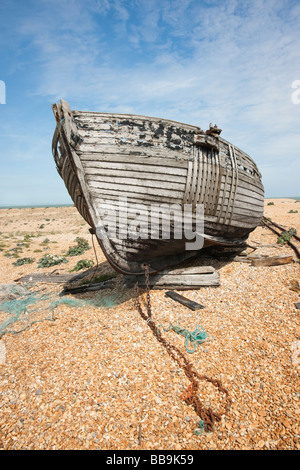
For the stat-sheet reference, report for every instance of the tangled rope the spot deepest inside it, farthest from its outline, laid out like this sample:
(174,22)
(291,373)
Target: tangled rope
(195,337)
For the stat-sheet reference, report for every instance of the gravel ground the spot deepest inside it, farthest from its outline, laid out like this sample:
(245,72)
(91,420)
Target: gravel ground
(96,378)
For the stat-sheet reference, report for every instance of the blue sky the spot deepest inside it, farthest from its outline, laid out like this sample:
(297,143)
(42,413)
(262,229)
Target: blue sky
(228,62)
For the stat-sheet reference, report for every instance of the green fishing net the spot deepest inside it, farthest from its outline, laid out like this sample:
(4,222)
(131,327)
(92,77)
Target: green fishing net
(31,308)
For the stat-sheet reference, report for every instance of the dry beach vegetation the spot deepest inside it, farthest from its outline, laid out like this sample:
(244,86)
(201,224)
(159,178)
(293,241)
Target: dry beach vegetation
(95,377)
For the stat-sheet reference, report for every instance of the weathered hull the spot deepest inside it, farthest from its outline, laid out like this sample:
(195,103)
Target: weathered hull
(118,161)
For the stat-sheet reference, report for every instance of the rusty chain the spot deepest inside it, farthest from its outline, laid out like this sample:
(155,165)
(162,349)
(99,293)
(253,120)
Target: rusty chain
(207,415)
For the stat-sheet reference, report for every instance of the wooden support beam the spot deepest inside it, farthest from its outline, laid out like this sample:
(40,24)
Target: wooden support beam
(88,288)
(272,261)
(181,279)
(53,277)
(184,301)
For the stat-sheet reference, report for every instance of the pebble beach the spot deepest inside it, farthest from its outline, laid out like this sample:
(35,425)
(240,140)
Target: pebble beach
(92,376)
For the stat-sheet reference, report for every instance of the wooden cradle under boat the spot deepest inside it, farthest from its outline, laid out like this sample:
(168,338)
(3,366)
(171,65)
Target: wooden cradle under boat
(103,157)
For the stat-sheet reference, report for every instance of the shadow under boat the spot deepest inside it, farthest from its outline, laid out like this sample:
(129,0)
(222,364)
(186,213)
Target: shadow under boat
(196,273)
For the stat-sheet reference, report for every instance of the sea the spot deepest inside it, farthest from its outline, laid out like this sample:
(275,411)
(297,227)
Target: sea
(70,205)
(34,206)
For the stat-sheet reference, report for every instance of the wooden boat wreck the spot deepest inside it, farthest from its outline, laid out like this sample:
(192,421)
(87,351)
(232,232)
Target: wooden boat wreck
(105,157)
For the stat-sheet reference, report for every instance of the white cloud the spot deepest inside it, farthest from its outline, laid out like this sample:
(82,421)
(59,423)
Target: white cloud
(227,62)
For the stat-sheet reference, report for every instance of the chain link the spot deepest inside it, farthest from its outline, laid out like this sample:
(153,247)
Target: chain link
(207,415)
